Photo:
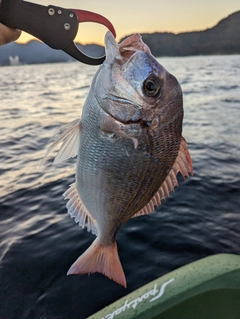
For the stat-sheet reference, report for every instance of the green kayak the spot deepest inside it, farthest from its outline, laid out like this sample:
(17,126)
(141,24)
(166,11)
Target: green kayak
(206,289)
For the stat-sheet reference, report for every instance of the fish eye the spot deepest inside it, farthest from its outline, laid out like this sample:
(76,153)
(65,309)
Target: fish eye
(151,86)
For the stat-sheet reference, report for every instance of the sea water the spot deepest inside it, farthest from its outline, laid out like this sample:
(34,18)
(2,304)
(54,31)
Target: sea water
(39,241)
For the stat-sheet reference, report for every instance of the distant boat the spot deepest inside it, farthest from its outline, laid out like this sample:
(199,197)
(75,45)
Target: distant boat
(14,60)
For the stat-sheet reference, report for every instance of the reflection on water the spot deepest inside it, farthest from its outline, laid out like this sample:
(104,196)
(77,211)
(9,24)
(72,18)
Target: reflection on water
(38,240)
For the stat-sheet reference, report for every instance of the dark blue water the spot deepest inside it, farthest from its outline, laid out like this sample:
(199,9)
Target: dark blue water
(39,241)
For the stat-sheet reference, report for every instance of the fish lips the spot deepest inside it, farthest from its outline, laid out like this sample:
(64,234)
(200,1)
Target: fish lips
(121,109)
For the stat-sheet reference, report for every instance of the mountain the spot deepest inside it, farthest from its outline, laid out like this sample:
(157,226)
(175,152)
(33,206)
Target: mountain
(221,39)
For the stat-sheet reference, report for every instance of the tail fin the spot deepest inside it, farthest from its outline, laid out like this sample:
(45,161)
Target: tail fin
(100,258)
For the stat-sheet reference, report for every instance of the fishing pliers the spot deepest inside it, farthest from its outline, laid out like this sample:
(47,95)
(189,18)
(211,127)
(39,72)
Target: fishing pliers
(55,26)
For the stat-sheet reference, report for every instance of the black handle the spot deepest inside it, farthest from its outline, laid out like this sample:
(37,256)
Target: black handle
(55,26)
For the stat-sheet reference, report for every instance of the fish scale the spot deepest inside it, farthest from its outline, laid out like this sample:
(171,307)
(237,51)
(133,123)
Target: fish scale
(98,173)
(109,177)
(130,149)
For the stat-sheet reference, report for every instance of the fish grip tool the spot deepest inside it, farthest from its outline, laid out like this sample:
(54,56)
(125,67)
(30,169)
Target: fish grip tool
(55,26)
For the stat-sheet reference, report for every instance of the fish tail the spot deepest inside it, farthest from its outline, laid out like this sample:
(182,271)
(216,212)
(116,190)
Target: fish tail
(100,258)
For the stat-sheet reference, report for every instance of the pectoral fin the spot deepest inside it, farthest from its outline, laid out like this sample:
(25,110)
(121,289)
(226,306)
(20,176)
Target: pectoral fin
(109,125)
(68,137)
(183,164)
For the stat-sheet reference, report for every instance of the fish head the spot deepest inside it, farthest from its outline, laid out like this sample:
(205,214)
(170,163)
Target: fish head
(133,87)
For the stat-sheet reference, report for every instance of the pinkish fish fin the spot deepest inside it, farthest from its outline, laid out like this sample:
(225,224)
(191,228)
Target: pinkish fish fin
(68,137)
(183,164)
(77,210)
(109,125)
(100,258)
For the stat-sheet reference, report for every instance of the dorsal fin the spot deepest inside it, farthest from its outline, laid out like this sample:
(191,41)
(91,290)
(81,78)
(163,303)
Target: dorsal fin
(77,210)
(183,164)
(68,136)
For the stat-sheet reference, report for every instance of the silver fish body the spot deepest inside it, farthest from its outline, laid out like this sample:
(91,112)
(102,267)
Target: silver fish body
(130,149)
(114,179)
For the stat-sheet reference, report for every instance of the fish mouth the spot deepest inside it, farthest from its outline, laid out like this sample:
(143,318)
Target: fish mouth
(125,107)
(137,121)
(140,122)
(125,49)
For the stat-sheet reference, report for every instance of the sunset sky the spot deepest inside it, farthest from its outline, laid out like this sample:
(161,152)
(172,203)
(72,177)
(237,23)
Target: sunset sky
(129,16)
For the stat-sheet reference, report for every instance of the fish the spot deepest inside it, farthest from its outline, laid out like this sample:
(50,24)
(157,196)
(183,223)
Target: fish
(129,149)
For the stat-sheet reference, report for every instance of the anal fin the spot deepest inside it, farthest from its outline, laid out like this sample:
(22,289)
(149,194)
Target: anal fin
(77,210)
(182,164)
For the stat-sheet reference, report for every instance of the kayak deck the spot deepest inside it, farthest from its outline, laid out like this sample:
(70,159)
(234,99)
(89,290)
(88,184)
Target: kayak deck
(205,289)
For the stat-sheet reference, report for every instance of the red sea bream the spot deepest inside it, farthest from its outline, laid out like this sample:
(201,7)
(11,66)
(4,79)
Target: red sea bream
(129,149)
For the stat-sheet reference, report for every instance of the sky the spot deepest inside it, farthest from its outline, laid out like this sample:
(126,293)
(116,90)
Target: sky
(145,16)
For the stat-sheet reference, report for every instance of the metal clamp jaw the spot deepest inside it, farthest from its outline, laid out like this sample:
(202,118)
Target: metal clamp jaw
(55,26)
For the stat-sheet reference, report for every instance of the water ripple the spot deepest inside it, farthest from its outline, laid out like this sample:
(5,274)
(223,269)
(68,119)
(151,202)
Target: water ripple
(39,241)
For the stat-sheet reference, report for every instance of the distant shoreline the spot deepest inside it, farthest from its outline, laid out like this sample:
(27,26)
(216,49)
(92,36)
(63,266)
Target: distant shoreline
(222,39)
